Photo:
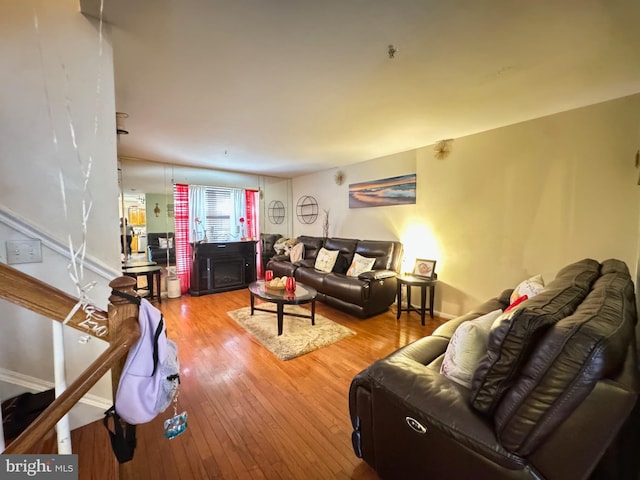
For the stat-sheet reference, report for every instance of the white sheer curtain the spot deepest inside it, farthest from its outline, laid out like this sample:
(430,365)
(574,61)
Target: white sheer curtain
(237,212)
(197,209)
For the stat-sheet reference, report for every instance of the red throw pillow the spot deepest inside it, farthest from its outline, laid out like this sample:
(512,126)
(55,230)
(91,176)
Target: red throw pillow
(516,302)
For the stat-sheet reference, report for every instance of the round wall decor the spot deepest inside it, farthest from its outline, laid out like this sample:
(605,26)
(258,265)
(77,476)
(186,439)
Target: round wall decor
(276,212)
(307,209)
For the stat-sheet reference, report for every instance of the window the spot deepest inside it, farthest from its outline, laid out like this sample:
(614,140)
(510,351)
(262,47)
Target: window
(219,210)
(219,214)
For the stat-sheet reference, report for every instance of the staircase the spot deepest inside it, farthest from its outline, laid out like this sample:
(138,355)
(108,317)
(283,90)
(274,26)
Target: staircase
(120,332)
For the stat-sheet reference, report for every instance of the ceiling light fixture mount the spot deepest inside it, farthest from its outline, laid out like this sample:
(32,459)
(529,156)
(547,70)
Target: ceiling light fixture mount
(443,148)
(392,51)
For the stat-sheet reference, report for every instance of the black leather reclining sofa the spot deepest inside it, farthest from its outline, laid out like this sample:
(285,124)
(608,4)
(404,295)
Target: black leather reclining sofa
(554,396)
(368,294)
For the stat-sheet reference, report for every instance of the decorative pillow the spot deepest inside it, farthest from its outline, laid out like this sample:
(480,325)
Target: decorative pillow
(467,347)
(288,245)
(170,242)
(359,265)
(278,246)
(326,259)
(297,253)
(530,287)
(341,264)
(163,242)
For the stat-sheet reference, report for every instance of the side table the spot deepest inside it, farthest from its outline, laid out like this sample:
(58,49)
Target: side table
(150,272)
(423,284)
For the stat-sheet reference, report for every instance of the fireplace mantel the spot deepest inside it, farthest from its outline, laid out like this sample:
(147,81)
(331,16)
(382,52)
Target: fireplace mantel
(223,266)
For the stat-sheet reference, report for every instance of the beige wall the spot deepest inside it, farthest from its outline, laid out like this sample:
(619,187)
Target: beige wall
(505,204)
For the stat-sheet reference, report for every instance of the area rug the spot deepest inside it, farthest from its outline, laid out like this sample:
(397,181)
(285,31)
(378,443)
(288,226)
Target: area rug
(298,335)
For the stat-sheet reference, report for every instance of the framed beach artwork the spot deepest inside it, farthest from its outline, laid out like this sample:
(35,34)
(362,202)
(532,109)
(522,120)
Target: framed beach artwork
(387,191)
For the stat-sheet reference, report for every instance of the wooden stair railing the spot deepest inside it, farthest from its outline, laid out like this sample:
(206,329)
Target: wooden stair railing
(40,297)
(122,332)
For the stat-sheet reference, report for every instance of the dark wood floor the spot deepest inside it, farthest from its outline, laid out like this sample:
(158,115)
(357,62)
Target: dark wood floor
(250,414)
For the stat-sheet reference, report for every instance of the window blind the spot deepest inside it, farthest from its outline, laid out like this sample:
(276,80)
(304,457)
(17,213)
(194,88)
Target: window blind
(219,208)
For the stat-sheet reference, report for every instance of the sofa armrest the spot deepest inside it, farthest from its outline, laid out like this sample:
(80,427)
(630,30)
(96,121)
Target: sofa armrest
(400,387)
(424,350)
(377,274)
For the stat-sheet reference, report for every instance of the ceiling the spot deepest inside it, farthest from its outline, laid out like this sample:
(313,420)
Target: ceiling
(288,87)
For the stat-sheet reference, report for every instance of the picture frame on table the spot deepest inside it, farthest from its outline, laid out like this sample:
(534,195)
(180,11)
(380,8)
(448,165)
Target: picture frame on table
(424,268)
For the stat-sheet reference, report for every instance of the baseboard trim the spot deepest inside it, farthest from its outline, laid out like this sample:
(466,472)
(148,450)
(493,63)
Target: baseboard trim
(39,385)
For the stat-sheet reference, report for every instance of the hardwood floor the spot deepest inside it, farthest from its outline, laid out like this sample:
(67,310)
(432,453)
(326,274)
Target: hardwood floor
(251,415)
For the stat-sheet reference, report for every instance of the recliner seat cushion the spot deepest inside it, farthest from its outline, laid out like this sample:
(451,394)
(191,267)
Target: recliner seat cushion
(311,277)
(349,289)
(575,353)
(518,331)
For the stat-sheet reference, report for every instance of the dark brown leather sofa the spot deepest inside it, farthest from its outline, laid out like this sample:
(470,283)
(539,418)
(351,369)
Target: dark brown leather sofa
(554,397)
(363,296)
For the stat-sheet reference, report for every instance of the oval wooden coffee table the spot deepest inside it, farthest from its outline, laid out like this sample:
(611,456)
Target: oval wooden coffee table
(303,294)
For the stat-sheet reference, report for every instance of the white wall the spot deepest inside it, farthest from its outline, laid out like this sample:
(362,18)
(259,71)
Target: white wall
(506,204)
(277,189)
(36,89)
(49,80)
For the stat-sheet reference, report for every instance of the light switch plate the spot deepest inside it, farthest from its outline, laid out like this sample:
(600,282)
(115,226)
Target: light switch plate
(23,251)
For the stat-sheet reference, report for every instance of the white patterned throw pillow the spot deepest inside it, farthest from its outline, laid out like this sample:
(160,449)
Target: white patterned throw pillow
(326,259)
(360,265)
(468,345)
(530,287)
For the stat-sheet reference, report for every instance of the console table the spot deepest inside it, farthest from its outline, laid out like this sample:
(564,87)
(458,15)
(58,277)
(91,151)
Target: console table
(423,284)
(222,266)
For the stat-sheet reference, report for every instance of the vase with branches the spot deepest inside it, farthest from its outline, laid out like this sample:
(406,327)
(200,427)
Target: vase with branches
(325,224)
(198,223)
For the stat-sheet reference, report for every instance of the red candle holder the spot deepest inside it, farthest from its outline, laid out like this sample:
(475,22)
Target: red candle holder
(290,285)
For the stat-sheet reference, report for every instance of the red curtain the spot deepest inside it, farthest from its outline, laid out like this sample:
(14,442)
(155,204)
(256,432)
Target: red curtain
(183,248)
(252,197)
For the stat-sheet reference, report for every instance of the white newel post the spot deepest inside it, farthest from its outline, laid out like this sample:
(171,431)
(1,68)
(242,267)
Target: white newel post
(62,427)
